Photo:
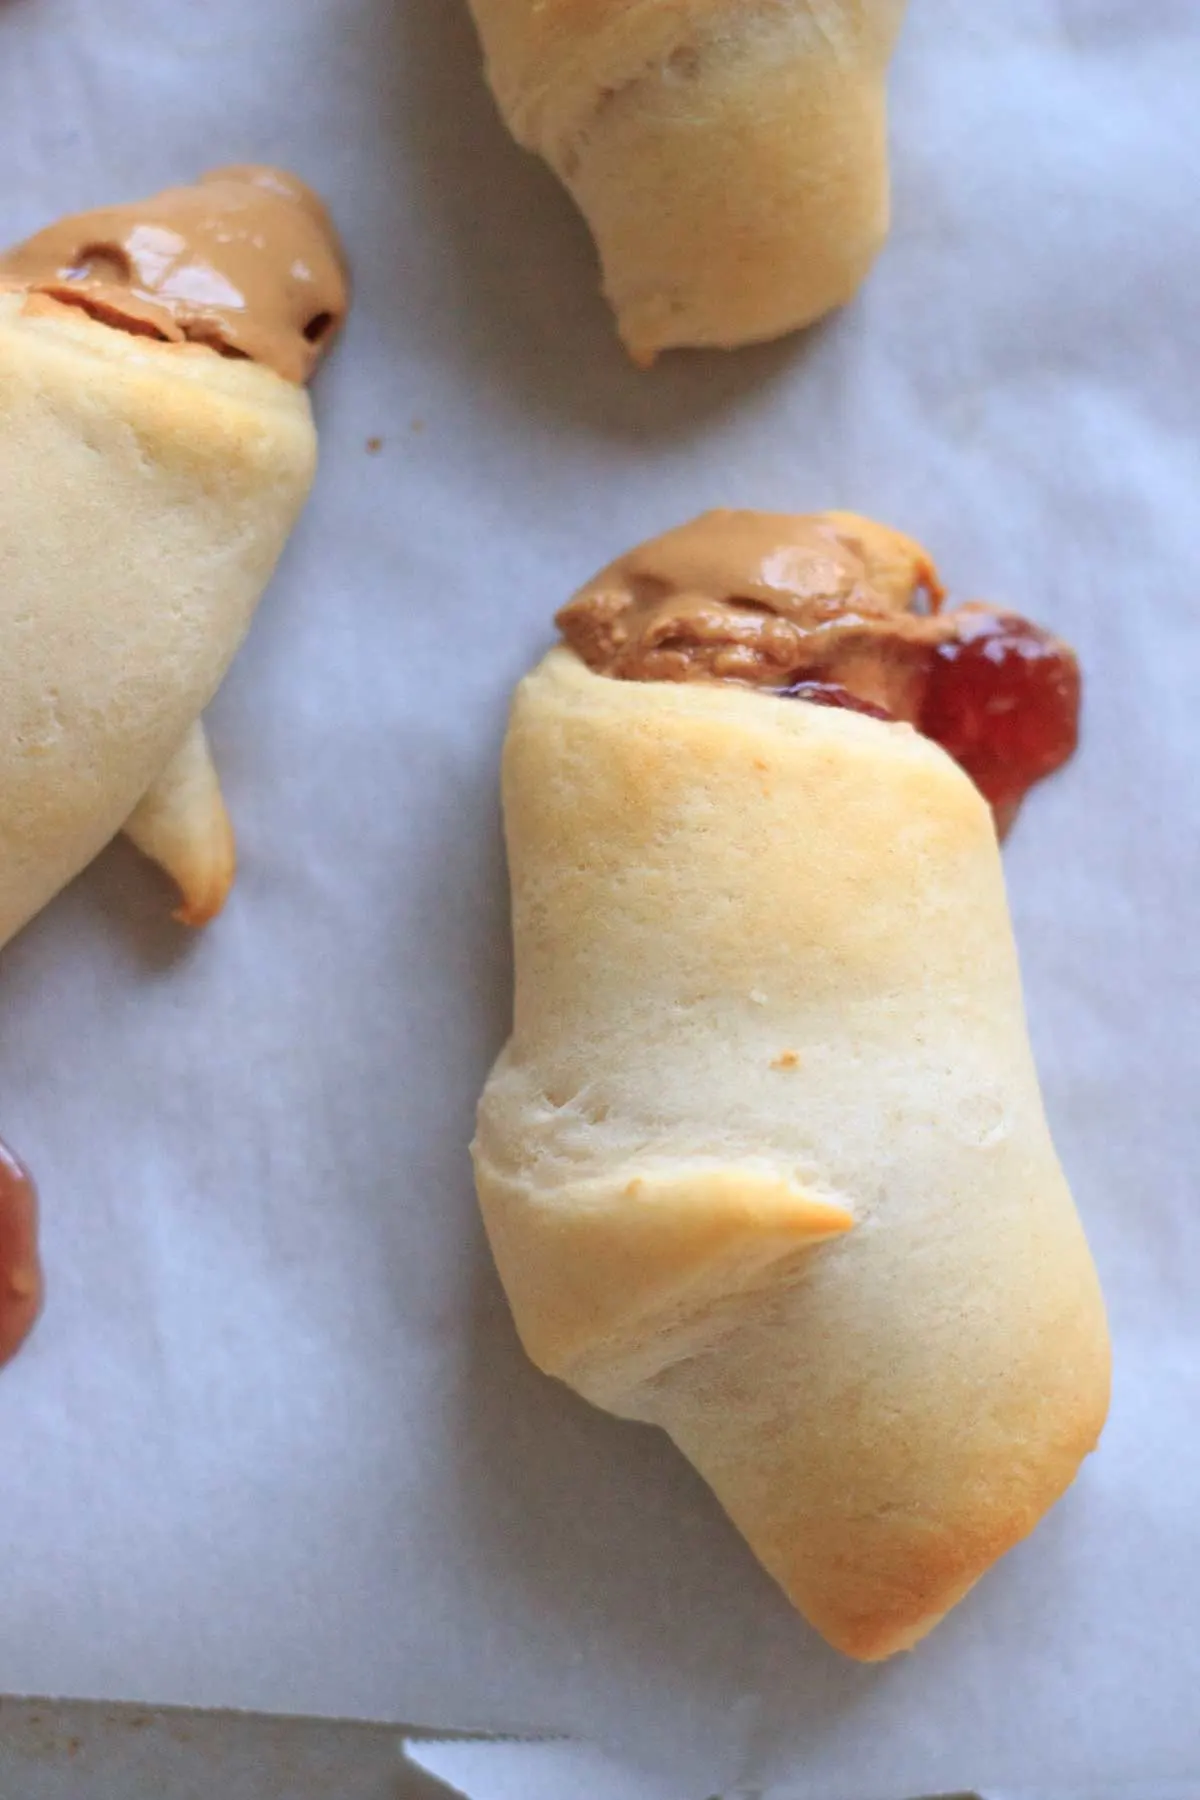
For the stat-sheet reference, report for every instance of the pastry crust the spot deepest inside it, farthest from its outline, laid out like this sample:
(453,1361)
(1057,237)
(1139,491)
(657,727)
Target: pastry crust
(730,157)
(147,492)
(182,825)
(767,995)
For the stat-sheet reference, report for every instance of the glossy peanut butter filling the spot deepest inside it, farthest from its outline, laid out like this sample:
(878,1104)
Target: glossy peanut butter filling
(246,262)
(839,611)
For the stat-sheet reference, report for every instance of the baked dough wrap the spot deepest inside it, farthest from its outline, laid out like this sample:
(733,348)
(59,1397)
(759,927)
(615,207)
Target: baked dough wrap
(146,493)
(765,1161)
(730,156)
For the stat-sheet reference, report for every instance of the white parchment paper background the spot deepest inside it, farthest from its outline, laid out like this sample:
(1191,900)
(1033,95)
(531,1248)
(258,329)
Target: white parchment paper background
(274,1444)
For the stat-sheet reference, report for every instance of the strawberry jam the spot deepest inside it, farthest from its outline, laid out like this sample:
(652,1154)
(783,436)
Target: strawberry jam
(1003,698)
(1000,695)
(20,1267)
(832,693)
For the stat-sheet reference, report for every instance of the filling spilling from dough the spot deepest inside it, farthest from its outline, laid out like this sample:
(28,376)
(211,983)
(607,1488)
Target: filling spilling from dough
(840,611)
(245,262)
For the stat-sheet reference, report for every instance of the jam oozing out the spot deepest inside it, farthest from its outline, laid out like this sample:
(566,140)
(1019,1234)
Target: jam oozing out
(1003,699)
(20,1265)
(832,693)
(1001,696)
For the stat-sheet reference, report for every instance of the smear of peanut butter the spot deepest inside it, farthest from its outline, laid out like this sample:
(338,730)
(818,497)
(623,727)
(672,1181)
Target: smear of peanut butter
(839,611)
(767,599)
(246,261)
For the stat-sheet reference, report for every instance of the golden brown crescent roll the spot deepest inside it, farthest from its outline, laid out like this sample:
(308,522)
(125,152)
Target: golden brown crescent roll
(182,825)
(765,1160)
(156,447)
(730,157)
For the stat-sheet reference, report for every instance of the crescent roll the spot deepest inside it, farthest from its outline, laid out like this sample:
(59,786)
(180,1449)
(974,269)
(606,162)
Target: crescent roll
(765,1161)
(156,448)
(731,159)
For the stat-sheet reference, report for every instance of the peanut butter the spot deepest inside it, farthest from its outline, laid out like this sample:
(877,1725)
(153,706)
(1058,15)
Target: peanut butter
(837,611)
(245,262)
(764,599)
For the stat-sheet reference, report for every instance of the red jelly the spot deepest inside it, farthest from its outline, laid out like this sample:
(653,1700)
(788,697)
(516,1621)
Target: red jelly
(1003,698)
(20,1266)
(832,693)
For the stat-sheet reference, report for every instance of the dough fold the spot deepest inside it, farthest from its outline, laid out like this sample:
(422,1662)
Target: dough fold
(182,825)
(730,156)
(765,1161)
(147,492)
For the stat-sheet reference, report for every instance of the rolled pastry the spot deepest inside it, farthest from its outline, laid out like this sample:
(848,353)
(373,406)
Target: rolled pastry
(765,1161)
(731,159)
(156,447)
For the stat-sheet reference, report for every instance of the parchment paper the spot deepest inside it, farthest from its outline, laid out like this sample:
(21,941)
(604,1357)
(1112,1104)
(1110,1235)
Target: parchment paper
(274,1445)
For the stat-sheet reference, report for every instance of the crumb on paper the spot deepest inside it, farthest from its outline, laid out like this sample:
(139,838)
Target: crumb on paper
(786,1060)
(374,446)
